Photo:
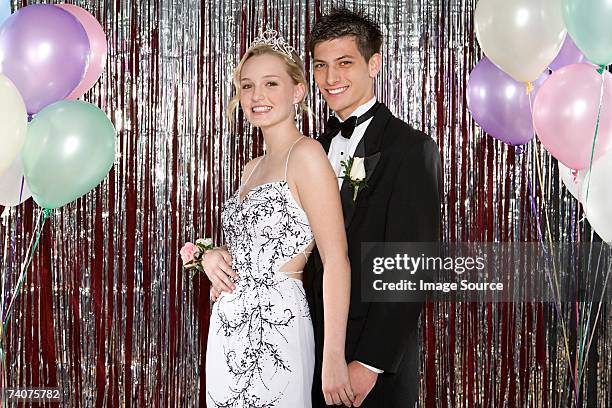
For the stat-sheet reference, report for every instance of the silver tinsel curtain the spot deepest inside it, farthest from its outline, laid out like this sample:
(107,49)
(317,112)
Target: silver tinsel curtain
(108,315)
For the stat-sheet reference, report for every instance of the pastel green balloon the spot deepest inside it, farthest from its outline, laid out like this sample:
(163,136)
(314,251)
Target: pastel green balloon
(69,149)
(588,23)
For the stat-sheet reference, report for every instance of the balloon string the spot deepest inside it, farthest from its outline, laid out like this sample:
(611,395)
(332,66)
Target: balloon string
(554,267)
(21,189)
(3,370)
(580,310)
(601,301)
(583,351)
(582,337)
(7,211)
(601,70)
(44,214)
(529,87)
(556,292)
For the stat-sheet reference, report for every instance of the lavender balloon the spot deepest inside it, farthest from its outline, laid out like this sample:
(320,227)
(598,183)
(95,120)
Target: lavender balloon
(44,51)
(499,104)
(569,54)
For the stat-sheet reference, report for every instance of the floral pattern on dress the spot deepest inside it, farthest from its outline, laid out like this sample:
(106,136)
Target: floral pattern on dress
(257,322)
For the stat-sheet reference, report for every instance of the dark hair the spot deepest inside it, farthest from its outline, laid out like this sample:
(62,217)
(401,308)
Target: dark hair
(341,22)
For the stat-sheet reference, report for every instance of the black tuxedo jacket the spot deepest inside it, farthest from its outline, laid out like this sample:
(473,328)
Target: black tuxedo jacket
(401,203)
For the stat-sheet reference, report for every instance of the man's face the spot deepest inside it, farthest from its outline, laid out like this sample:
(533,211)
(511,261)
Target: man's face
(343,76)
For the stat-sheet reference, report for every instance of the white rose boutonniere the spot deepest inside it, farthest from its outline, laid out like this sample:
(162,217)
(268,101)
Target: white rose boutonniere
(354,173)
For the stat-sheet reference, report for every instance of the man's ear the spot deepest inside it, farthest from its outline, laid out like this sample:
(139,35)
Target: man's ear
(374,65)
(299,93)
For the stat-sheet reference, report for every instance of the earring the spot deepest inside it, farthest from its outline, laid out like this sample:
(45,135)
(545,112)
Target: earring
(296,106)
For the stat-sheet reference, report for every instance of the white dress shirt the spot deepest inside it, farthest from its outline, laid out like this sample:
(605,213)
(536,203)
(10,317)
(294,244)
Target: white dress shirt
(342,148)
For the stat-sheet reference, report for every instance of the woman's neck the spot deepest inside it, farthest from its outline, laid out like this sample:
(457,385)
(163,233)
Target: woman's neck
(279,137)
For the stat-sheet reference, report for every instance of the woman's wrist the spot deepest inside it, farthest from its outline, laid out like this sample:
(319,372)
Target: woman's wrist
(192,254)
(333,351)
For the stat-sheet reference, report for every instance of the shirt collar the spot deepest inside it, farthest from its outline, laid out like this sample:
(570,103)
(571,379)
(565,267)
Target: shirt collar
(361,109)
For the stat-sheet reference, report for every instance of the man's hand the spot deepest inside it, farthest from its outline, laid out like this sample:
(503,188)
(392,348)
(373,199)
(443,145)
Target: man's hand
(217,264)
(362,381)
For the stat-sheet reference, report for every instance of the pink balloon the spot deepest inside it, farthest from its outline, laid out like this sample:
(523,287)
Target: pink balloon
(97,45)
(565,114)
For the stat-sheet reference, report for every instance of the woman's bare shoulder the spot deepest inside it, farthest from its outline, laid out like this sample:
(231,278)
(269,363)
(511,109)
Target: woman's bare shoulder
(308,149)
(310,158)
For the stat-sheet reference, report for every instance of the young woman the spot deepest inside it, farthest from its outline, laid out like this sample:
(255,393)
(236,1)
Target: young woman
(260,343)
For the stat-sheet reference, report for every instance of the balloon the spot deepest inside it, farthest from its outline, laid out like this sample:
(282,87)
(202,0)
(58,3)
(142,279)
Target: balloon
(69,149)
(44,50)
(10,185)
(97,49)
(499,104)
(565,114)
(13,123)
(598,204)
(572,179)
(5,10)
(588,22)
(569,54)
(521,37)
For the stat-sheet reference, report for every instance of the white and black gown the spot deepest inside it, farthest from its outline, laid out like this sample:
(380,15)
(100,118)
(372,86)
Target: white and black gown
(260,349)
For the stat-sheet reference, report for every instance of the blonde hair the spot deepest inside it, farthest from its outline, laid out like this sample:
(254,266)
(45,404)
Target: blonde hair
(295,69)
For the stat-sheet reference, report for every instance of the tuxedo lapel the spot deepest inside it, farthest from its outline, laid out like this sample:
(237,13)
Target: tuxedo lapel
(368,148)
(325,140)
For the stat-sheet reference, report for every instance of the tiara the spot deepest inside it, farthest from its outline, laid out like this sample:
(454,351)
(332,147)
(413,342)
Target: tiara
(276,42)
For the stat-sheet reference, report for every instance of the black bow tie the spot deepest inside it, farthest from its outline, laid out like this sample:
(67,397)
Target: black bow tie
(347,127)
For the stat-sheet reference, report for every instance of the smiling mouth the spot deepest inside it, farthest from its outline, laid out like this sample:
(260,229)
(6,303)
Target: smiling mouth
(337,91)
(261,109)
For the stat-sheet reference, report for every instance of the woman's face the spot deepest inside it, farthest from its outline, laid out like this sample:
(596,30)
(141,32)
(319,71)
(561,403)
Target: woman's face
(267,92)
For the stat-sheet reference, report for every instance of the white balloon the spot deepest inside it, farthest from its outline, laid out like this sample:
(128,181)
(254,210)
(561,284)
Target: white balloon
(10,185)
(598,204)
(13,123)
(521,37)
(572,179)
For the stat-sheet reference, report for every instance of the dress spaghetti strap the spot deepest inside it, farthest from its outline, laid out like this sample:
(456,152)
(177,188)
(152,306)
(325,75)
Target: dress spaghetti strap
(248,178)
(289,154)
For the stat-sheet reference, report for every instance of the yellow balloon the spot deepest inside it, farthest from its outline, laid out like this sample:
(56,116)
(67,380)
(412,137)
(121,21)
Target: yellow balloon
(521,37)
(13,123)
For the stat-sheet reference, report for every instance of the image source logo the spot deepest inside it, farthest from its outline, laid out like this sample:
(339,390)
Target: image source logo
(484,272)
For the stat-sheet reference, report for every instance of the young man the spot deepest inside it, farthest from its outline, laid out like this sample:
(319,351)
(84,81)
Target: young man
(401,203)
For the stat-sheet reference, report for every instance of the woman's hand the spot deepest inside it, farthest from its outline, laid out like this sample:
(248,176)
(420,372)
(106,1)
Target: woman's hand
(214,294)
(217,265)
(335,377)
